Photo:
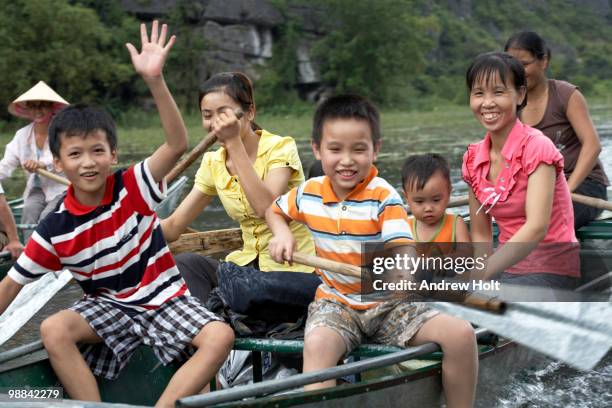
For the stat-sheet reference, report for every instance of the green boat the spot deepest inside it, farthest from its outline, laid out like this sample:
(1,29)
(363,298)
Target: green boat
(384,375)
(143,380)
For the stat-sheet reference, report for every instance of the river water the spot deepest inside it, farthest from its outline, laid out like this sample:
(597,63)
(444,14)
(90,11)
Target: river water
(550,385)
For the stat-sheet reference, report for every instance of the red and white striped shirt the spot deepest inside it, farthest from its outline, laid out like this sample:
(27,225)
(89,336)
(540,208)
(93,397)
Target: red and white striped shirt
(115,251)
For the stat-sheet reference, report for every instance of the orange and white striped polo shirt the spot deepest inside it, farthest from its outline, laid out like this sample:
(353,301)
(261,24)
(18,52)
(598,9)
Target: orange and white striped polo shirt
(372,212)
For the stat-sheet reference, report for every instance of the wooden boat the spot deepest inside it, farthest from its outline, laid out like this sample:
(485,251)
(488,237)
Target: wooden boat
(414,382)
(418,378)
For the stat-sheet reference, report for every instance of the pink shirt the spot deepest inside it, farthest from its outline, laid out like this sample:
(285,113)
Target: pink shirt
(525,149)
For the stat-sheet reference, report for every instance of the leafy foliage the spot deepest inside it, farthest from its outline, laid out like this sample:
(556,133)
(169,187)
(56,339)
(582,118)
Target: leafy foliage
(404,53)
(65,45)
(183,71)
(370,47)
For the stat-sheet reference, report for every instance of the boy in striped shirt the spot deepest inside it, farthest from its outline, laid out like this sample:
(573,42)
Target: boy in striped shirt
(343,209)
(107,234)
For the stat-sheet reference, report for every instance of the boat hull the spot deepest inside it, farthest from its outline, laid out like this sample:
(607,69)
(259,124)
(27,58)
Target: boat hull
(415,383)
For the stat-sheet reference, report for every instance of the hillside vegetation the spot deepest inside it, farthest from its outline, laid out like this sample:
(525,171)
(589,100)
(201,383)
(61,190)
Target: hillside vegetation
(406,54)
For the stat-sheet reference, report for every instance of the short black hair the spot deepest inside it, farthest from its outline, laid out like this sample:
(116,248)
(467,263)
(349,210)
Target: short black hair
(487,65)
(419,168)
(346,107)
(80,119)
(529,41)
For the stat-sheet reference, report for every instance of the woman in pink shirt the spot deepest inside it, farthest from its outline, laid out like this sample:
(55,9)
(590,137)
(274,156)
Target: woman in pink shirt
(516,176)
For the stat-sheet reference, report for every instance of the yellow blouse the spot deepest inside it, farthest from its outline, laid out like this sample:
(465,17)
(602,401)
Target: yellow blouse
(213,179)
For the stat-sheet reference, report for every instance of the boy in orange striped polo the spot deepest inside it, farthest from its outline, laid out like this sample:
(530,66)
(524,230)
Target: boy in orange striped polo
(343,209)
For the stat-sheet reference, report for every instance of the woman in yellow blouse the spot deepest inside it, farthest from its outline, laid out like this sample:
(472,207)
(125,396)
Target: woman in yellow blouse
(248,172)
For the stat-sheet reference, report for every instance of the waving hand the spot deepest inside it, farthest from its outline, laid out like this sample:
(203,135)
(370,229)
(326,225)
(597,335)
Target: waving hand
(149,63)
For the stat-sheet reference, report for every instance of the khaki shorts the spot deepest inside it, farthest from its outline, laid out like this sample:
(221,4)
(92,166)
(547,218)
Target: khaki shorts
(391,323)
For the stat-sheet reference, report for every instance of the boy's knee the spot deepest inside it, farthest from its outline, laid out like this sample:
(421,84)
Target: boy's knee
(215,334)
(226,336)
(53,331)
(316,343)
(462,334)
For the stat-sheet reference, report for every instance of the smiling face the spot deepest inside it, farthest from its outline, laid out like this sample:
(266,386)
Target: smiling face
(86,161)
(535,69)
(494,103)
(346,152)
(429,204)
(40,111)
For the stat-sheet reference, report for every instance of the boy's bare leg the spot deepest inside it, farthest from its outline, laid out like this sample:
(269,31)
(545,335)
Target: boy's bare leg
(60,334)
(213,344)
(460,363)
(323,348)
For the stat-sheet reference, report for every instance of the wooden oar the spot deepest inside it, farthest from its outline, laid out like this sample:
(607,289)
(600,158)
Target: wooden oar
(196,152)
(578,333)
(592,201)
(459,201)
(30,300)
(53,176)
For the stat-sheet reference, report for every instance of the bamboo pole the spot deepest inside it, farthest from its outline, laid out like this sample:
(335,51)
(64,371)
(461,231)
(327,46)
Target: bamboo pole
(592,201)
(53,176)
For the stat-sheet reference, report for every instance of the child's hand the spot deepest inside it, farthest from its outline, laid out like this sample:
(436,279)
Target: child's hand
(281,247)
(150,62)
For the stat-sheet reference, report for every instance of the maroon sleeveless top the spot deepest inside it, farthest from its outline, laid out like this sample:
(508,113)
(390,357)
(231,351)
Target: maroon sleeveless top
(558,128)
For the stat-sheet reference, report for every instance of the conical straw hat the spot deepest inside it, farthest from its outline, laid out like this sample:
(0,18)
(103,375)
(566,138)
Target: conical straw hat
(39,92)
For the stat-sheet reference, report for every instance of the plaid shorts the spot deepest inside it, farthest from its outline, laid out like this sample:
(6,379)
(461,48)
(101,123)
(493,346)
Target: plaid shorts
(391,323)
(168,330)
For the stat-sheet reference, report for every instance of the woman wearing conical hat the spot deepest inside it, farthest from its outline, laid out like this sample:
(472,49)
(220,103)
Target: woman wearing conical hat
(29,149)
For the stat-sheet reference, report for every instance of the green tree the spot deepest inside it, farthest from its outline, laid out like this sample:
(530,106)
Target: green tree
(186,58)
(371,47)
(65,45)
(277,84)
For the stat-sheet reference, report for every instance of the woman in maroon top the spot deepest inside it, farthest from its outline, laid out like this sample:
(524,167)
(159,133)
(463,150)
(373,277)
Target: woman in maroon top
(559,110)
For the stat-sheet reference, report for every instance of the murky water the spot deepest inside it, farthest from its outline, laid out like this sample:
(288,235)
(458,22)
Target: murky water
(555,384)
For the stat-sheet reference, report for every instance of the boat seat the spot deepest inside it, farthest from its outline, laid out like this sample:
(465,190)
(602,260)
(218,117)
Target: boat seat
(598,229)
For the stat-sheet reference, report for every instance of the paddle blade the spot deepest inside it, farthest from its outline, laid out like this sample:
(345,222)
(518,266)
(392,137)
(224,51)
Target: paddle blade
(30,300)
(577,333)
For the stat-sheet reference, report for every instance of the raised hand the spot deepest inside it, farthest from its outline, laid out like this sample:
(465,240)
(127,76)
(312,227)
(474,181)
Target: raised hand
(149,63)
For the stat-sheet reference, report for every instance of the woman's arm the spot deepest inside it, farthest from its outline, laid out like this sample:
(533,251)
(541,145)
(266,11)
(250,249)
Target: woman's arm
(462,234)
(187,211)
(11,159)
(538,209)
(579,118)
(260,193)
